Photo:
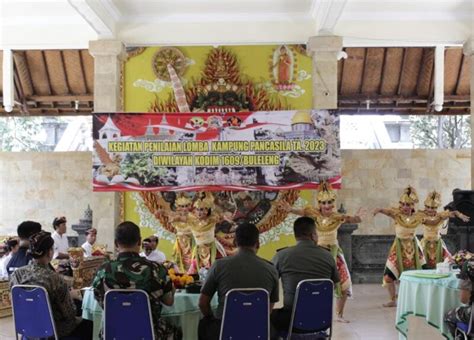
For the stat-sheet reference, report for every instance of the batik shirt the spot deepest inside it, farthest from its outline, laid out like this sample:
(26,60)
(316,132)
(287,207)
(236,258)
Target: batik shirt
(64,311)
(131,271)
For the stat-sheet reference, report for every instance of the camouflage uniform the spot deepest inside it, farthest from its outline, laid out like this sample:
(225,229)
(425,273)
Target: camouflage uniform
(64,311)
(131,271)
(461,313)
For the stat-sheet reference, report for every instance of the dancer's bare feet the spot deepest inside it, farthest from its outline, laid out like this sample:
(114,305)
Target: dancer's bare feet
(390,304)
(340,318)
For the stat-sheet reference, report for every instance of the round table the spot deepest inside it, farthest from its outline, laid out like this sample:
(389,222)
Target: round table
(184,312)
(425,295)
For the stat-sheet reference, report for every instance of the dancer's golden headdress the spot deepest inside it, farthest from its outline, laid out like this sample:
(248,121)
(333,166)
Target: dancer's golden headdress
(326,193)
(409,196)
(433,200)
(203,203)
(183,200)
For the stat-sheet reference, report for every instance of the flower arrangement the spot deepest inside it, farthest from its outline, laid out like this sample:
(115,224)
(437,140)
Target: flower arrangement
(180,280)
(461,257)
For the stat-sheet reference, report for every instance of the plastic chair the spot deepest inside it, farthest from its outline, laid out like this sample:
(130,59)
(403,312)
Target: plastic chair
(246,315)
(32,312)
(312,310)
(465,329)
(127,315)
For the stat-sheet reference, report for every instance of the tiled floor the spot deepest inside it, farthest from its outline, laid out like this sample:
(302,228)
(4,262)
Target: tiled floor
(369,320)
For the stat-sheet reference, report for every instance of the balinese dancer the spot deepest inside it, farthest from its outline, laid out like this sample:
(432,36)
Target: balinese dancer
(183,246)
(327,224)
(203,224)
(405,252)
(434,249)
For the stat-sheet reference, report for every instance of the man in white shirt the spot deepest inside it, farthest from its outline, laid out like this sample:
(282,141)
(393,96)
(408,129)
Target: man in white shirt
(91,235)
(10,247)
(150,252)
(61,244)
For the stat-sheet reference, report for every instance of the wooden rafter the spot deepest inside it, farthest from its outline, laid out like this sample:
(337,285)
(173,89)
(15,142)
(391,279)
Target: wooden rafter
(382,98)
(47,73)
(19,94)
(425,73)
(381,80)
(364,67)
(62,98)
(63,66)
(458,78)
(23,72)
(402,71)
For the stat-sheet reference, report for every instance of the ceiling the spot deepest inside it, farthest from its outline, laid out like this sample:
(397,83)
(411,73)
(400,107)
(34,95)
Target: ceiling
(60,24)
(390,44)
(401,80)
(392,79)
(52,82)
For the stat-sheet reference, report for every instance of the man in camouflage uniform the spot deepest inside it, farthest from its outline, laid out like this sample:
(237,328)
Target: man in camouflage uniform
(131,271)
(39,272)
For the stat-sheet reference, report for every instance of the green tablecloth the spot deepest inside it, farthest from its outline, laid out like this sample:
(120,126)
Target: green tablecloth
(426,297)
(184,312)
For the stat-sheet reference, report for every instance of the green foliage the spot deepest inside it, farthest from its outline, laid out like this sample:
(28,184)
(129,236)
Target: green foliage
(453,132)
(20,134)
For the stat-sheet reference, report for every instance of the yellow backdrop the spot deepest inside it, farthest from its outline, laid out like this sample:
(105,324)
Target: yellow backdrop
(142,88)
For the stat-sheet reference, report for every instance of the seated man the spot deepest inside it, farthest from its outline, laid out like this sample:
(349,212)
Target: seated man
(40,273)
(462,313)
(91,235)
(130,270)
(61,243)
(305,260)
(10,247)
(22,257)
(243,270)
(150,252)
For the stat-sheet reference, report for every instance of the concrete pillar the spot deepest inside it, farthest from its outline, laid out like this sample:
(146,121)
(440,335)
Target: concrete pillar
(469,52)
(323,50)
(108,56)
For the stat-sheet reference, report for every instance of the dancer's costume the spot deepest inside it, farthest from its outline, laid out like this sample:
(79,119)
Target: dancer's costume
(183,246)
(206,246)
(326,227)
(406,252)
(434,248)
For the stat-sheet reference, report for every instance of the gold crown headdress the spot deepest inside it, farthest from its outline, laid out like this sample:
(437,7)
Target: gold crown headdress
(183,200)
(204,200)
(433,200)
(203,203)
(409,196)
(326,193)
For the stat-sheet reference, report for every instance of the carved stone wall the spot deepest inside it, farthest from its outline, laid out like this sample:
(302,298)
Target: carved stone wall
(376,179)
(369,253)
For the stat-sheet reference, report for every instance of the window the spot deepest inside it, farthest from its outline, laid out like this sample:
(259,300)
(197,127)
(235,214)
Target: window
(405,132)
(46,133)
